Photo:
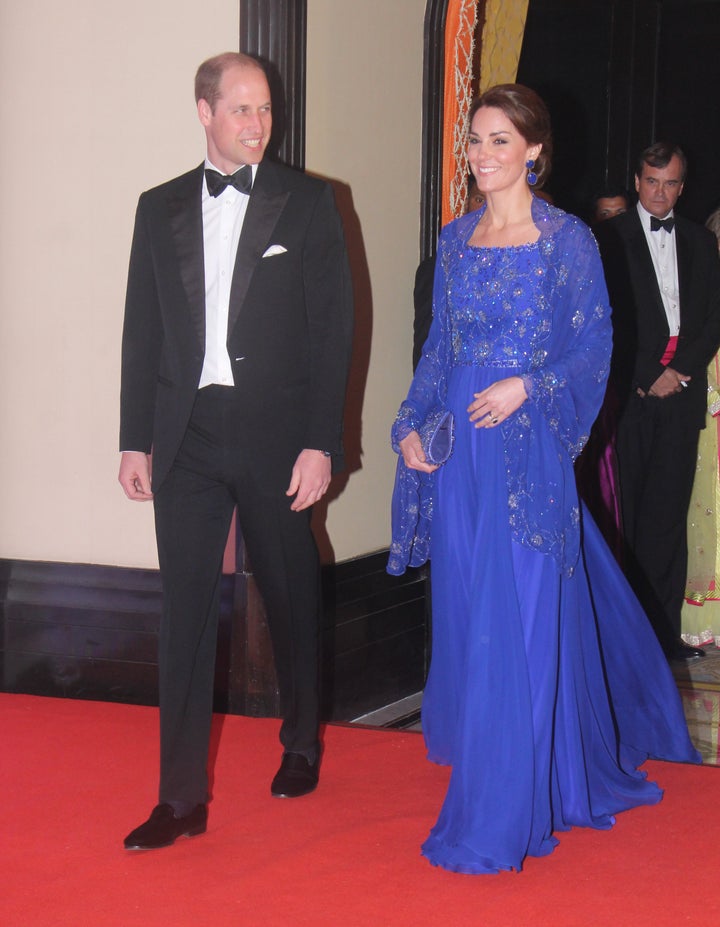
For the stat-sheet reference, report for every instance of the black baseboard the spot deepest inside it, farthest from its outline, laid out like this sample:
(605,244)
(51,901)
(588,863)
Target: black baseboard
(375,636)
(85,631)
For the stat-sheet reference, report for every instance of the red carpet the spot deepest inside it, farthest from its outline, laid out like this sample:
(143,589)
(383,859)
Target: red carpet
(77,776)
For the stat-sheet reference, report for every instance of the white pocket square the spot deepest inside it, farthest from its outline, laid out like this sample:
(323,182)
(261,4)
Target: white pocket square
(273,250)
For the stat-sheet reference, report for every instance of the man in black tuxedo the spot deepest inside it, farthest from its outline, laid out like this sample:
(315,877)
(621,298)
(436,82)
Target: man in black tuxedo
(663,277)
(236,344)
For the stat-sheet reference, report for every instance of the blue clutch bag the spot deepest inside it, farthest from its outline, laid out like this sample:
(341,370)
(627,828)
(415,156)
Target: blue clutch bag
(437,433)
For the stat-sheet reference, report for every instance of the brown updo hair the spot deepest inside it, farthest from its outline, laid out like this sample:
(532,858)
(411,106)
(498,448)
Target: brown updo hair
(528,113)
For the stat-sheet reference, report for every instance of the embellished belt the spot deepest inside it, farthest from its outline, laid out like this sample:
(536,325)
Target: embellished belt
(509,364)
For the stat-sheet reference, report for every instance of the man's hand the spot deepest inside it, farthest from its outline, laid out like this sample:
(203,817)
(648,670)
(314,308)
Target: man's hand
(134,475)
(309,480)
(668,383)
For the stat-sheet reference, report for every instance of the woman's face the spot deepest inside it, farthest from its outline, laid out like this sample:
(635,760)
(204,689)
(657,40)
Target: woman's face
(497,152)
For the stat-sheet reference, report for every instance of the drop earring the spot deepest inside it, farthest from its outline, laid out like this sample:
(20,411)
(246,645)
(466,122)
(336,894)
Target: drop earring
(531,175)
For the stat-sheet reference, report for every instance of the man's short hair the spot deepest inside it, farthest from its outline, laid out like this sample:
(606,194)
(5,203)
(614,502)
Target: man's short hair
(660,154)
(210,72)
(609,193)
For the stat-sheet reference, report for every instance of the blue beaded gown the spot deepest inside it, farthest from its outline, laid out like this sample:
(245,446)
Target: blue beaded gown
(547,688)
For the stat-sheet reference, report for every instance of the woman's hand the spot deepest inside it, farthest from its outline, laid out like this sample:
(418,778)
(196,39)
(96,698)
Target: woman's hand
(493,405)
(413,454)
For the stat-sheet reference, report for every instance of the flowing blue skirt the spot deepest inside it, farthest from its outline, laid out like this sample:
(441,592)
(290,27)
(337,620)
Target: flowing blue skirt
(545,693)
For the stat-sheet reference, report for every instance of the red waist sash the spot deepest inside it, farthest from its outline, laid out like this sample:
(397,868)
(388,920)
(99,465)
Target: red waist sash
(669,351)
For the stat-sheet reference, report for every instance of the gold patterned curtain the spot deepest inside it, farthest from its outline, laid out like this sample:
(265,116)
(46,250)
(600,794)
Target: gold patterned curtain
(465,69)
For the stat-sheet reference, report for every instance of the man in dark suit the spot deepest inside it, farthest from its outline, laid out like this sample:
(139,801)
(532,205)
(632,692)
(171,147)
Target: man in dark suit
(663,276)
(236,345)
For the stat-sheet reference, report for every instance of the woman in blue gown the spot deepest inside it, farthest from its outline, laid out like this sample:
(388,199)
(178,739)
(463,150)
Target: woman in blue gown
(547,687)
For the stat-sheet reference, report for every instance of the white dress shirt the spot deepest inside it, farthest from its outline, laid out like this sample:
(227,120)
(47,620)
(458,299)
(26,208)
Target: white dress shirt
(223,218)
(664,257)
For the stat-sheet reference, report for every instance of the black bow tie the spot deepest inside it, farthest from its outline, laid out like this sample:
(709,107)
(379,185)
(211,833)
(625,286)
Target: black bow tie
(666,224)
(241,180)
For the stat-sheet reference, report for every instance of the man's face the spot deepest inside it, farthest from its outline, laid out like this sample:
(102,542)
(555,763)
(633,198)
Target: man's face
(609,206)
(238,131)
(475,199)
(659,187)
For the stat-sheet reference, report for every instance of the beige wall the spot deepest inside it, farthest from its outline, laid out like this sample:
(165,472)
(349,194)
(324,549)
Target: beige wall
(97,106)
(364,120)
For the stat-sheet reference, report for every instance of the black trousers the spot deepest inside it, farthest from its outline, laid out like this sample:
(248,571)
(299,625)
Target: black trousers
(657,459)
(216,471)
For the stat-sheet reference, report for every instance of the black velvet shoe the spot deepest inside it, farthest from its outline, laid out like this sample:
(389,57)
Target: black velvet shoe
(682,651)
(163,828)
(295,777)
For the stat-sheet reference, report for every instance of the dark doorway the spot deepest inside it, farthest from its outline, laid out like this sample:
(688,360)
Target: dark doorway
(617,75)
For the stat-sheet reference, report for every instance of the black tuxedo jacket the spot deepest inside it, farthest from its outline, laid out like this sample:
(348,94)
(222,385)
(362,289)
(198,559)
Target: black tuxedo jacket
(290,320)
(639,322)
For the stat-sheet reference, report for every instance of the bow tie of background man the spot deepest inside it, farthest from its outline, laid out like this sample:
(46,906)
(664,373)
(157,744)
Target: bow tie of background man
(656,224)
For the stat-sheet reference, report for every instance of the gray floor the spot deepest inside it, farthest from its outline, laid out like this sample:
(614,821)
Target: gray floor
(699,685)
(401,715)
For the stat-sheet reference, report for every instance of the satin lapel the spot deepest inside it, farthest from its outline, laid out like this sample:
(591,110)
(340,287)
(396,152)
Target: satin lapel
(267,201)
(684,262)
(186,227)
(642,267)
